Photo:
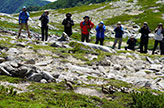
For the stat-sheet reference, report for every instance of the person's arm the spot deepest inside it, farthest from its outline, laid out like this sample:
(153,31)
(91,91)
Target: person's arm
(81,25)
(115,30)
(140,31)
(41,18)
(72,23)
(97,28)
(91,24)
(28,15)
(104,28)
(64,22)
(19,18)
(128,41)
(156,30)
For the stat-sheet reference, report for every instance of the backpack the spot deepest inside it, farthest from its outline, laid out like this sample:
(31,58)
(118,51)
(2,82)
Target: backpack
(25,14)
(88,25)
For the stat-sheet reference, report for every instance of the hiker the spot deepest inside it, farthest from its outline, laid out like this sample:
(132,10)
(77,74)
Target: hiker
(144,37)
(68,23)
(131,43)
(100,29)
(86,27)
(23,21)
(44,25)
(159,31)
(118,35)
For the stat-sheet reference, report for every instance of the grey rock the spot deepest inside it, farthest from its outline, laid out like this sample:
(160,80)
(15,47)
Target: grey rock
(36,77)
(2,59)
(156,67)
(47,76)
(13,51)
(43,81)
(56,76)
(149,60)
(44,63)
(103,48)
(20,45)
(31,61)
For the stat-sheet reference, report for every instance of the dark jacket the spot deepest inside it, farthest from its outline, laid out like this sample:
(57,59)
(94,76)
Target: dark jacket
(44,20)
(131,43)
(144,32)
(119,32)
(68,23)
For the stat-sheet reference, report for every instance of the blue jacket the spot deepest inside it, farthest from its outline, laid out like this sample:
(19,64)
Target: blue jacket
(23,17)
(119,32)
(100,31)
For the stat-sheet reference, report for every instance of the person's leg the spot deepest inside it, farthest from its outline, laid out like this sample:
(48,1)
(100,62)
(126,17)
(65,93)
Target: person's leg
(120,42)
(46,30)
(87,38)
(20,30)
(97,40)
(155,46)
(141,45)
(101,41)
(146,45)
(26,25)
(82,37)
(161,47)
(42,29)
(115,42)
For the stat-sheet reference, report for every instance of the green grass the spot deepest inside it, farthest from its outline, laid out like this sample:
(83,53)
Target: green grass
(9,79)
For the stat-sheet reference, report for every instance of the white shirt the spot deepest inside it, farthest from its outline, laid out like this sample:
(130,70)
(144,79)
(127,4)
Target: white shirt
(158,35)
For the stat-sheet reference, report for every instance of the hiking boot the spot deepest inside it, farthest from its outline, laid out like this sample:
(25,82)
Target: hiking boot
(29,36)
(18,36)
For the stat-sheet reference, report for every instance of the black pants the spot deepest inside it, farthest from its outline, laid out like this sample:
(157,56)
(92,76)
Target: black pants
(44,33)
(85,37)
(156,44)
(99,39)
(130,47)
(144,44)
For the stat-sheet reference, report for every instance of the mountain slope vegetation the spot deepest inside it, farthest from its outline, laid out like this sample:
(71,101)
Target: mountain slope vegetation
(13,6)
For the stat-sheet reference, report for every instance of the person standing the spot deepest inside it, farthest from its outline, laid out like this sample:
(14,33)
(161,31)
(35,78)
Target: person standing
(68,23)
(23,21)
(144,37)
(86,27)
(159,31)
(131,43)
(118,35)
(100,29)
(44,25)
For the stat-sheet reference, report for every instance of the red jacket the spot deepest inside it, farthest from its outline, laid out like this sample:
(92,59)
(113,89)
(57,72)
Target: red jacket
(86,27)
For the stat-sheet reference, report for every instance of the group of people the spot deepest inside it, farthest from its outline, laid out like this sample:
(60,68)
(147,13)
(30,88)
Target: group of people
(86,27)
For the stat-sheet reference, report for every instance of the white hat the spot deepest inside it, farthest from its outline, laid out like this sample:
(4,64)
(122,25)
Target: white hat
(119,22)
(101,22)
(24,7)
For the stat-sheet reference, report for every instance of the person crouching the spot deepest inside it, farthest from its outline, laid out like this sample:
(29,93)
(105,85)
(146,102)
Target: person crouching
(131,43)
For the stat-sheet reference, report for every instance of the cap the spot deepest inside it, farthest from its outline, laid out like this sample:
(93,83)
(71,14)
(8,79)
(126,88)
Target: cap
(160,24)
(68,14)
(101,22)
(24,7)
(86,17)
(119,23)
(145,23)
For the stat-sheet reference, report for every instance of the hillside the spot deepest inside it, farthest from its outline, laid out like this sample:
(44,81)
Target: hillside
(13,6)
(70,3)
(38,74)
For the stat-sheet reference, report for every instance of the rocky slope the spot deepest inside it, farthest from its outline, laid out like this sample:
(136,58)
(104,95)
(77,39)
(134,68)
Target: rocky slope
(88,66)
